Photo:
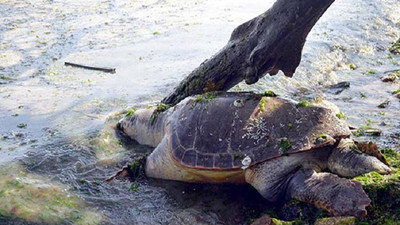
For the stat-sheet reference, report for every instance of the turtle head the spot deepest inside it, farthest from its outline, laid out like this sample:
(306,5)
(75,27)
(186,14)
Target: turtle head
(143,127)
(347,161)
(128,125)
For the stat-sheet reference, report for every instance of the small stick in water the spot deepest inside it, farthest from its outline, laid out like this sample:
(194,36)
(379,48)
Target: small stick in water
(104,69)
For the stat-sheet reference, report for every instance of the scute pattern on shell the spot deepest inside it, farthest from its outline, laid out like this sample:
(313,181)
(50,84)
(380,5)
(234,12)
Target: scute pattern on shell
(215,134)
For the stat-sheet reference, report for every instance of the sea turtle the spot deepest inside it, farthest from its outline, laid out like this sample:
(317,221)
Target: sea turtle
(283,149)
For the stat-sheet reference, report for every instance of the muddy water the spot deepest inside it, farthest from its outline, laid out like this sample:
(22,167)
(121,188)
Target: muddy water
(57,141)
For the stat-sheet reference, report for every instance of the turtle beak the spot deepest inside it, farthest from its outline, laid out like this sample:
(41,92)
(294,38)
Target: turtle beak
(119,125)
(123,125)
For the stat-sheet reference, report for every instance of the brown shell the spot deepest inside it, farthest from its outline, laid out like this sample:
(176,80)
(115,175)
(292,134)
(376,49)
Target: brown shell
(217,133)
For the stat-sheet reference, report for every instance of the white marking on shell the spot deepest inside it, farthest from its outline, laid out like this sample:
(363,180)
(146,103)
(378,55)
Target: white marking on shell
(256,130)
(238,103)
(246,162)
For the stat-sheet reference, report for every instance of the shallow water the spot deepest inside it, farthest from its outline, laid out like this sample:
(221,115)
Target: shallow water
(65,143)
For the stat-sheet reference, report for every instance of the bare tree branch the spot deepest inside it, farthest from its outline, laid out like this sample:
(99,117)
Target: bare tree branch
(271,42)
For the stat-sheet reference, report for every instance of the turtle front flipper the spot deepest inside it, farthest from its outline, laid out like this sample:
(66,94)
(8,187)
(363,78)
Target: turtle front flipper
(160,165)
(339,196)
(348,161)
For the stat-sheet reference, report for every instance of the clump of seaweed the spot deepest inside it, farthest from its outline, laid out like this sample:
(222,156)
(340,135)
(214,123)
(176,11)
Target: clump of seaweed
(159,109)
(384,191)
(303,103)
(35,199)
(284,145)
(269,94)
(262,103)
(130,112)
(395,49)
(396,92)
(204,97)
(341,116)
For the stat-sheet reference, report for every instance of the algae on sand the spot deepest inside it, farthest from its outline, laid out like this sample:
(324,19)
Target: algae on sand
(384,191)
(35,199)
(395,49)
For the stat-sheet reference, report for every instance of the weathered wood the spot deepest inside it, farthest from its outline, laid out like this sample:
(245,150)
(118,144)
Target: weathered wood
(271,42)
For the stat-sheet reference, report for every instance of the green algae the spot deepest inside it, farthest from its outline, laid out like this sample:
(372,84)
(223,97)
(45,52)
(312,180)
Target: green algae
(384,104)
(6,78)
(35,199)
(321,137)
(134,188)
(204,97)
(281,222)
(22,125)
(371,72)
(341,116)
(269,94)
(396,92)
(359,132)
(352,66)
(393,159)
(161,107)
(209,96)
(384,191)
(262,104)
(106,145)
(366,130)
(136,168)
(395,48)
(303,103)
(336,221)
(130,113)
(284,144)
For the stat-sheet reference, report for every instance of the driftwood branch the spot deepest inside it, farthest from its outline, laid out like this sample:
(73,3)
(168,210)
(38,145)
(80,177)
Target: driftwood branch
(271,42)
(104,69)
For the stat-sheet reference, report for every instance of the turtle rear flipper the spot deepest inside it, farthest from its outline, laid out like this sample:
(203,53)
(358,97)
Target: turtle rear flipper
(133,171)
(122,174)
(339,196)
